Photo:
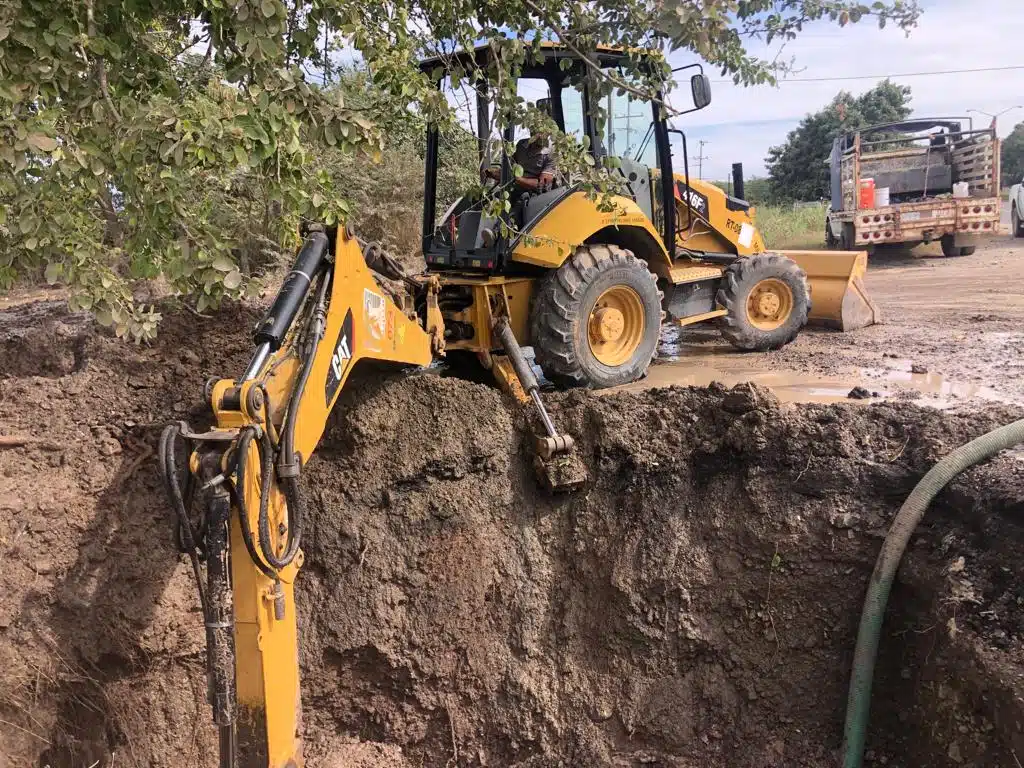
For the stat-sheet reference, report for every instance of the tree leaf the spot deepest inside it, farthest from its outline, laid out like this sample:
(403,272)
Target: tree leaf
(268,8)
(232,280)
(53,272)
(42,142)
(223,264)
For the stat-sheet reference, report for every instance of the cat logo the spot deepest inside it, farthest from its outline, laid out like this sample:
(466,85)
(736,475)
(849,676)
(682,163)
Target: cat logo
(341,358)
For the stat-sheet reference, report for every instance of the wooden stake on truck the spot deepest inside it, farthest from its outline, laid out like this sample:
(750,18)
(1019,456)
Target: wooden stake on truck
(934,180)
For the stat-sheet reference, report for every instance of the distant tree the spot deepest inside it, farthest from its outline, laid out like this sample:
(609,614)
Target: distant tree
(798,168)
(1013,156)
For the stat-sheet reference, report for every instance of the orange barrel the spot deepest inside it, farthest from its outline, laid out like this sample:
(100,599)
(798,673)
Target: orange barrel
(867,193)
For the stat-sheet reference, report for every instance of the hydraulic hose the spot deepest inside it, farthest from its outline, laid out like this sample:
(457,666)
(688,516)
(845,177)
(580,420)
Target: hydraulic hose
(266,457)
(169,469)
(910,514)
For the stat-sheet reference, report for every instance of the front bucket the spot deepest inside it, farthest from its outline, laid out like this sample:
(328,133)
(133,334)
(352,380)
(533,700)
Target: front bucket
(839,298)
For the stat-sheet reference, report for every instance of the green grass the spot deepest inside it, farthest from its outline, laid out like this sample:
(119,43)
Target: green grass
(782,227)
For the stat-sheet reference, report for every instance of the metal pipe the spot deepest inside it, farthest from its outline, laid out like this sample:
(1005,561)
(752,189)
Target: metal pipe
(549,425)
(256,364)
(524,372)
(228,751)
(220,624)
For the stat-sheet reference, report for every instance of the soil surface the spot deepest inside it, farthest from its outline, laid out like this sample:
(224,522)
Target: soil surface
(695,604)
(952,331)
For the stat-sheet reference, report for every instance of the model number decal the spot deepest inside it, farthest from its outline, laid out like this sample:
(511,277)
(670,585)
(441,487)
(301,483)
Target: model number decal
(698,202)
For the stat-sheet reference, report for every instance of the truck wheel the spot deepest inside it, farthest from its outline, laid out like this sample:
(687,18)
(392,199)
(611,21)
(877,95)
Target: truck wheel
(949,247)
(767,299)
(831,241)
(596,320)
(1016,225)
(846,237)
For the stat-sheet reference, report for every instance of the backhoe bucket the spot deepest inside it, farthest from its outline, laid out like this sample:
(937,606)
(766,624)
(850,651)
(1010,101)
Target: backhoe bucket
(839,298)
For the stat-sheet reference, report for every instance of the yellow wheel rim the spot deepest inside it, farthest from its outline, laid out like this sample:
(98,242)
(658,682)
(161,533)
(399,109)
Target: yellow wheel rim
(770,304)
(616,325)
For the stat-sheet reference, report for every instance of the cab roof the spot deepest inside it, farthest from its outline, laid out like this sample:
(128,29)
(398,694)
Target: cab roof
(551,54)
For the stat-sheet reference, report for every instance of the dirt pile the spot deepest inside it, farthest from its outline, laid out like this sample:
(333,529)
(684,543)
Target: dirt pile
(696,604)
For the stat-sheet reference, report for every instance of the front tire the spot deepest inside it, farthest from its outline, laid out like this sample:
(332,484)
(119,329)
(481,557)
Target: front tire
(1016,225)
(595,321)
(767,299)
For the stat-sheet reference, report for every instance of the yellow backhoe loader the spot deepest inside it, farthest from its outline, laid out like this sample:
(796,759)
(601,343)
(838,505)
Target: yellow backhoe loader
(587,289)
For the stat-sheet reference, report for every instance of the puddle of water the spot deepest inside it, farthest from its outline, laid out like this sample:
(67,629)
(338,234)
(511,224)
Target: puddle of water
(933,383)
(687,364)
(789,386)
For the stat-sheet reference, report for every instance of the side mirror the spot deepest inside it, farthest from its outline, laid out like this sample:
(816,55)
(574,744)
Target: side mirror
(700,87)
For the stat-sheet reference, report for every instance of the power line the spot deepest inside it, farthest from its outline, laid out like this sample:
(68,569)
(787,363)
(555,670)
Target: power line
(897,74)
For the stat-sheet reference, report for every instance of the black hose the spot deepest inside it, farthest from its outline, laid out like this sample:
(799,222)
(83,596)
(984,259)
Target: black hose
(170,472)
(266,469)
(315,332)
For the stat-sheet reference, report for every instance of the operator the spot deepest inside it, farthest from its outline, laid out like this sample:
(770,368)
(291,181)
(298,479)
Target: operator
(536,155)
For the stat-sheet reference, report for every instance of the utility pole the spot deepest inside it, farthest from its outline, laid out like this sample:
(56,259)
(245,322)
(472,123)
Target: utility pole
(700,158)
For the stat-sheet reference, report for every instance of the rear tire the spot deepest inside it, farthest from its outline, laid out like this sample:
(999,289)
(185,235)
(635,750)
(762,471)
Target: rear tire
(950,249)
(846,237)
(1016,225)
(767,299)
(596,320)
(831,241)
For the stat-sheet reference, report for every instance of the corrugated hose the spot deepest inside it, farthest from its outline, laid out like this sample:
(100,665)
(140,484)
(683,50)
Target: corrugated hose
(910,514)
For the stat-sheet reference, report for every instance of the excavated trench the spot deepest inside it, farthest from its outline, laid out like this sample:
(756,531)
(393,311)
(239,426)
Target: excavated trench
(695,604)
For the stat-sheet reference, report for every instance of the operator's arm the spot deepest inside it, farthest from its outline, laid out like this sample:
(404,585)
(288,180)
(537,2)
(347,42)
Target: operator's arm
(531,183)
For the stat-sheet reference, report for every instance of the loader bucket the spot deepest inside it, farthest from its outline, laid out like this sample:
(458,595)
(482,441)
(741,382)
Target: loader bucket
(839,298)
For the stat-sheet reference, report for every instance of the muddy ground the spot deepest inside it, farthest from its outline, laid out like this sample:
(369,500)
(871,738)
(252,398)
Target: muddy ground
(958,322)
(694,605)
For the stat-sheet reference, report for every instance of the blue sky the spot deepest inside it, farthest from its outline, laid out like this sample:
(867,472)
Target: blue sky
(742,123)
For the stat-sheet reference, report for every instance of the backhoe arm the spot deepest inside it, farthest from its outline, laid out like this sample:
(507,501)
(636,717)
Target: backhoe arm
(329,315)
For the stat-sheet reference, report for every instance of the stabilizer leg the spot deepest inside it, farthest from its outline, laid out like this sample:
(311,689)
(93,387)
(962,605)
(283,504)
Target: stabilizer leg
(556,462)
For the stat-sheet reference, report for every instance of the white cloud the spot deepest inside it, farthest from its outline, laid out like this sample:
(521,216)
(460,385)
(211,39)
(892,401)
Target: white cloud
(742,123)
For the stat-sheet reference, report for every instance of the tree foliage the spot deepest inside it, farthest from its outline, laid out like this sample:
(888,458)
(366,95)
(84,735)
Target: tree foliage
(1013,156)
(798,169)
(184,140)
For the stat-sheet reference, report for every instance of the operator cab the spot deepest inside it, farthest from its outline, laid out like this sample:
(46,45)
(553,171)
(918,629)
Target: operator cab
(458,232)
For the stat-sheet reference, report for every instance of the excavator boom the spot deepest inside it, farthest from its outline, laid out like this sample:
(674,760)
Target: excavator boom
(330,317)
(247,467)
